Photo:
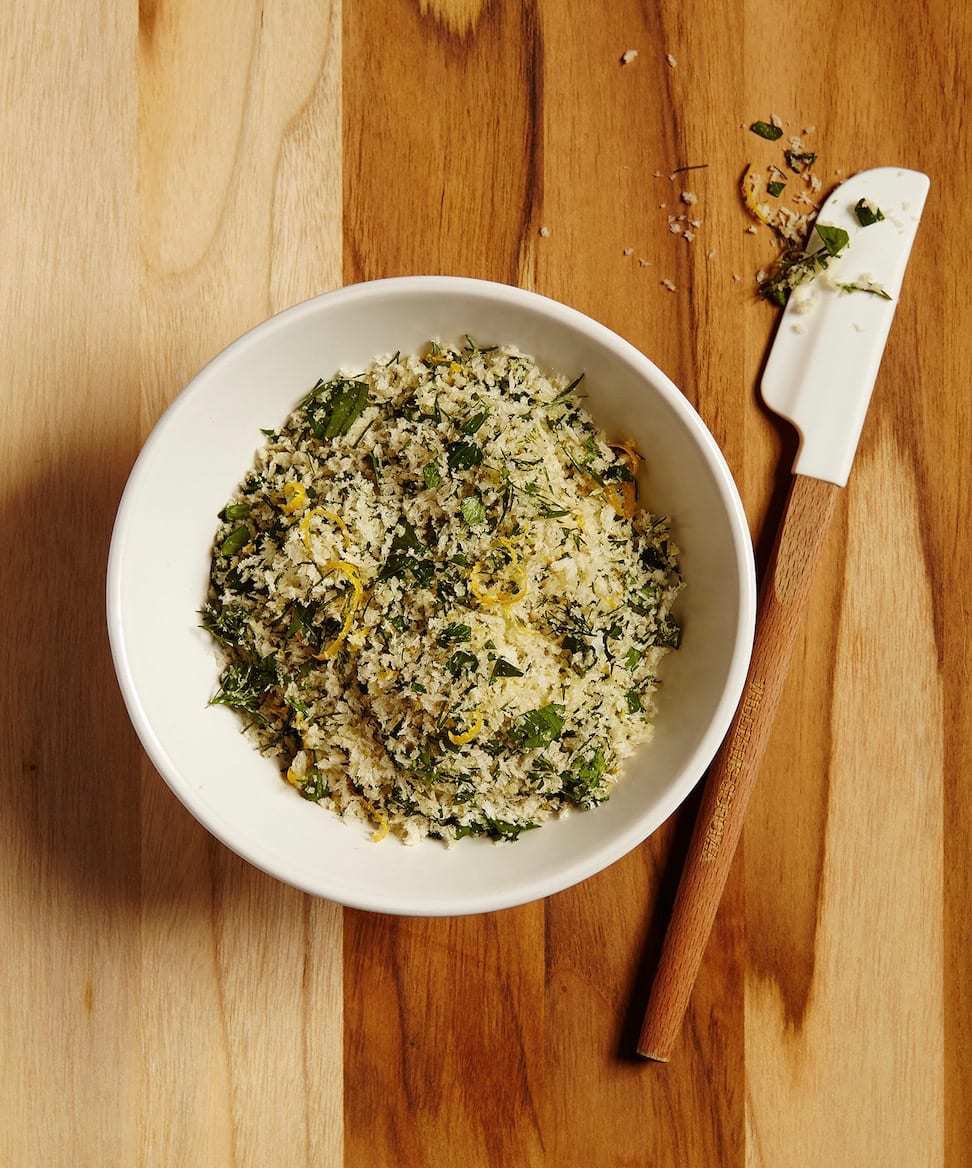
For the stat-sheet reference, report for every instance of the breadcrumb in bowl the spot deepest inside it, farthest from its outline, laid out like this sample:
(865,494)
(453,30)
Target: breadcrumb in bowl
(159,566)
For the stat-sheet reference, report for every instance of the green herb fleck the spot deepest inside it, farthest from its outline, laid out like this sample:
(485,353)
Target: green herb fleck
(405,556)
(860,286)
(454,633)
(799,267)
(633,698)
(225,623)
(463,455)
(775,189)
(834,239)
(631,658)
(799,160)
(314,787)
(472,424)
(867,213)
(432,475)
(536,729)
(473,510)
(504,668)
(767,130)
(582,782)
(235,511)
(237,539)
(243,686)
(461,661)
(333,407)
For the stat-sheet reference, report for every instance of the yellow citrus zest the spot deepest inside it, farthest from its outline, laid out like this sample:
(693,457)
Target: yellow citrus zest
(325,514)
(296,496)
(511,550)
(455,367)
(378,835)
(749,189)
(470,734)
(494,595)
(351,572)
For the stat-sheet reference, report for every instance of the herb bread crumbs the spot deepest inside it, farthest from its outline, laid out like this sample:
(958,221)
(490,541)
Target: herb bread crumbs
(439,606)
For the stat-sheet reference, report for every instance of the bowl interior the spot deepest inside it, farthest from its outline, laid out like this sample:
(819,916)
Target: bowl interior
(168,668)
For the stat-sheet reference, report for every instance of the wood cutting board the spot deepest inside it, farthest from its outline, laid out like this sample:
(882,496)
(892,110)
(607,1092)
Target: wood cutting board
(174,171)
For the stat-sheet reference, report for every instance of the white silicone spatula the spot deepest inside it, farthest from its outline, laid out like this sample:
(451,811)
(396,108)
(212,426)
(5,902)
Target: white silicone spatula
(819,376)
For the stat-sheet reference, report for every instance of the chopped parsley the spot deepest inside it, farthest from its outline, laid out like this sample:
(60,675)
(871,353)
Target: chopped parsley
(472,424)
(454,634)
(536,729)
(797,267)
(461,662)
(333,407)
(473,510)
(799,160)
(867,213)
(766,130)
(463,455)
(865,286)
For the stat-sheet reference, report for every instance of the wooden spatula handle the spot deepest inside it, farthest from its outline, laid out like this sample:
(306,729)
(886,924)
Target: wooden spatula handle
(730,780)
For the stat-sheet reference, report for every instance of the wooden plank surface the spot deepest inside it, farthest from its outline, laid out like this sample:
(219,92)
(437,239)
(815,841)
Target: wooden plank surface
(174,171)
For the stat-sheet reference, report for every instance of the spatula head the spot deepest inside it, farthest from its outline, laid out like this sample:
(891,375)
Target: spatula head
(828,347)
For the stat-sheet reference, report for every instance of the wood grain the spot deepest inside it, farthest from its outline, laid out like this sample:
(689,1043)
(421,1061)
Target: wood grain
(171,172)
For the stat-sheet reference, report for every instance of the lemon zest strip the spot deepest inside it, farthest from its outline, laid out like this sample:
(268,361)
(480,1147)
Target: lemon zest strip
(351,572)
(296,496)
(324,513)
(470,734)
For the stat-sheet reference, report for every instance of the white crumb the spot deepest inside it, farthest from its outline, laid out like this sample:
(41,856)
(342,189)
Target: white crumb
(809,130)
(751,229)
(695,222)
(674,226)
(736,278)
(643,263)
(671,60)
(658,174)
(544,232)
(628,56)
(688,236)
(777,121)
(628,251)
(690,199)
(669,284)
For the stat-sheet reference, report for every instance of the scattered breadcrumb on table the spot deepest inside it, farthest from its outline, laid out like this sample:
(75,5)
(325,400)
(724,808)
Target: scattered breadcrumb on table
(671,60)
(668,284)
(628,56)
(544,232)
(628,251)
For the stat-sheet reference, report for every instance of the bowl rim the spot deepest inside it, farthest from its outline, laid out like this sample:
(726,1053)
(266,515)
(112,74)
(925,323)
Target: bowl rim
(640,827)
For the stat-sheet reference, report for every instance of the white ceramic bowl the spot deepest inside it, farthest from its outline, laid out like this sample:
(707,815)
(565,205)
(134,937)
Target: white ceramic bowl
(167,668)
